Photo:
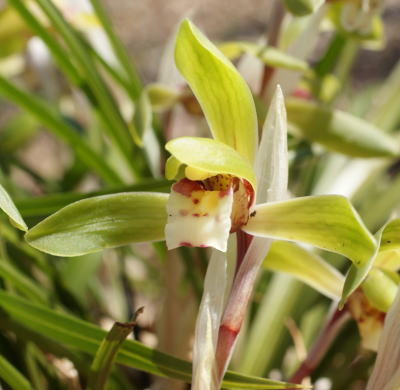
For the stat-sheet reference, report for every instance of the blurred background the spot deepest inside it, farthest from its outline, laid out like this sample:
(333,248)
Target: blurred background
(43,171)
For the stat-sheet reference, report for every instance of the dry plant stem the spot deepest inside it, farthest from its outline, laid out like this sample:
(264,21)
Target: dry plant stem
(276,19)
(238,301)
(328,334)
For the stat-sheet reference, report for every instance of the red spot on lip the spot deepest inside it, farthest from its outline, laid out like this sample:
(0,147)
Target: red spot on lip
(185,243)
(204,246)
(196,215)
(186,187)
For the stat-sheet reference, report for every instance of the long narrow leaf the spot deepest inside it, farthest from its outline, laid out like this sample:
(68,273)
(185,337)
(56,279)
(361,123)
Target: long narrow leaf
(115,126)
(43,206)
(55,123)
(86,337)
(12,376)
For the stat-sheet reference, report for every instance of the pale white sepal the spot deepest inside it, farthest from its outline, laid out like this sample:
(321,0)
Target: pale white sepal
(386,373)
(272,155)
(203,224)
(207,326)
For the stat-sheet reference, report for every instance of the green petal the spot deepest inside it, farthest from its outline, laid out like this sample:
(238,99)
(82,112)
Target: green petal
(339,131)
(224,96)
(327,222)
(93,224)
(209,156)
(8,206)
(290,258)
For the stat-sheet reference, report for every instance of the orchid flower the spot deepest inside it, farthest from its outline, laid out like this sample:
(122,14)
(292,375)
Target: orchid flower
(224,185)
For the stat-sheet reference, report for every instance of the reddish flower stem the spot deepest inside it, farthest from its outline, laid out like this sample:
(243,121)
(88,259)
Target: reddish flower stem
(243,241)
(238,301)
(321,345)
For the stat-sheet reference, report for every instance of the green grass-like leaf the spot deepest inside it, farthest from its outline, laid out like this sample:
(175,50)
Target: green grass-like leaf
(85,337)
(12,376)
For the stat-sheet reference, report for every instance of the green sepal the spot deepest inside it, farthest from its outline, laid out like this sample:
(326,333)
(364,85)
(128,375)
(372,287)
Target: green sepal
(101,222)
(223,95)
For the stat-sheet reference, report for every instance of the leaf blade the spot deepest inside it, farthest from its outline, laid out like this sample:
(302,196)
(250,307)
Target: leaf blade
(86,337)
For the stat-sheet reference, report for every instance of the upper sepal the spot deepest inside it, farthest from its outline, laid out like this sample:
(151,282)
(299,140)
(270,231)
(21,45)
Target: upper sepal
(224,96)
